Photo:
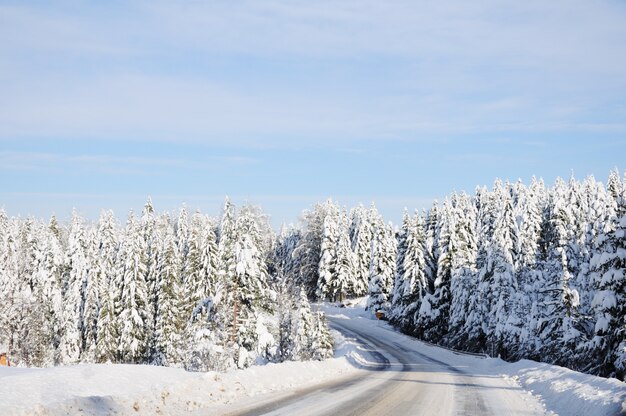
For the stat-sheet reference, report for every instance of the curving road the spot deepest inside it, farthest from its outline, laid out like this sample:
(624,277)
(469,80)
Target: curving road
(402,381)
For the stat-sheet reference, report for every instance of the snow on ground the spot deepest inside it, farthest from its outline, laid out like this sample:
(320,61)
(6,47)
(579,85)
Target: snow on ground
(562,391)
(101,389)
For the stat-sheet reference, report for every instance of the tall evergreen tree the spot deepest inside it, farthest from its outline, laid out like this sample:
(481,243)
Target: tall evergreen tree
(328,258)
(74,295)
(134,316)
(382,267)
(361,242)
(169,318)
(607,348)
(344,279)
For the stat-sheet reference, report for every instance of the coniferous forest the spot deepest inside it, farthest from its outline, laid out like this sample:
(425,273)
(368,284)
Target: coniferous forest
(517,271)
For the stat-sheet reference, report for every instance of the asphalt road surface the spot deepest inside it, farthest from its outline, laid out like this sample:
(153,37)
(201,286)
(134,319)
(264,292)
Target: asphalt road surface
(400,381)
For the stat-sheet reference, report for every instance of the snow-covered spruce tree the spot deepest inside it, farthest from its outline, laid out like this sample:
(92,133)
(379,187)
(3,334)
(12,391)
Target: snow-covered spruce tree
(599,206)
(343,281)
(75,282)
(226,242)
(528,212)
(170,318)
(463,273)
(607,348)
(91,308)
(614,185)
(476,329)
(208,342)
(382,267)
(435,307)
(556,331)
(283,261)
(134,314)
(148,225)
(328,257)
(202,261)
(306,254)
(302,329)
(48,272)
(322,340)
(299,335)
(412,284)
(24,301)
(395,313)
(182,242)
(286,294)
(361,242)
(500,283)
(107,330)
(250,286)
(432,229)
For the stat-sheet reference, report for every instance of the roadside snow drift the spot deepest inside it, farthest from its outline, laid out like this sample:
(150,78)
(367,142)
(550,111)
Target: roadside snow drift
(99,389)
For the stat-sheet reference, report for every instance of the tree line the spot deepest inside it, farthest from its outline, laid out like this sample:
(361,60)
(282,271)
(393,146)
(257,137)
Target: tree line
(189,292)
(516,271)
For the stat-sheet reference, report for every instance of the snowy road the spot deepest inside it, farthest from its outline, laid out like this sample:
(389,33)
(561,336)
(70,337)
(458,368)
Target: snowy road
(401,380)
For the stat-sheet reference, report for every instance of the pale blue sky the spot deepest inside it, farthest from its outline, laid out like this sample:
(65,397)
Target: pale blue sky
(286,103)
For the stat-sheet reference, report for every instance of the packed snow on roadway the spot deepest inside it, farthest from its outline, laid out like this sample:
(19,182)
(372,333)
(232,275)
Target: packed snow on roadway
(147,390)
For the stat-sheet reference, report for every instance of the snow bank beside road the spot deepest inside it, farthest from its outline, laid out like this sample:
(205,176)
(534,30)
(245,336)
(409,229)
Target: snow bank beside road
(100,389)
(568,392)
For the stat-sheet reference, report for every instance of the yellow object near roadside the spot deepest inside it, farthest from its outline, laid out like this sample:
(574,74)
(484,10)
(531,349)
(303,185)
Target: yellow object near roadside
(4,360)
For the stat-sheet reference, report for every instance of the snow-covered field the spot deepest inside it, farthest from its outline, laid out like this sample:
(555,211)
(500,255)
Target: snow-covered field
(141,389)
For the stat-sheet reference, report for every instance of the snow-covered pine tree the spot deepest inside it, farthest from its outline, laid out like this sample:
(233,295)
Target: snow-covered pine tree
(328,257)
(432,228)
(148,224)
(463,273)
(91,309)
(528,212)
(476,328)
(170,320)
(306,255)
(607,349)
(208,345)
(557,333)
(107,330)
(302,327)
(182,242)
(226,242)
(202,260)
(500,280)
(49,271)
(322,340)
(614,185)
(74,295)
(434,311)
(361,241)
(396,308)
(344,279)
(382,267)
(250,286)
(134,316)
(25,299)
(284,263)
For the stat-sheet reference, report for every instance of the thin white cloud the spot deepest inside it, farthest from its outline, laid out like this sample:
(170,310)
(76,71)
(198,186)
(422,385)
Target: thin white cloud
(11,160)
(121,71)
